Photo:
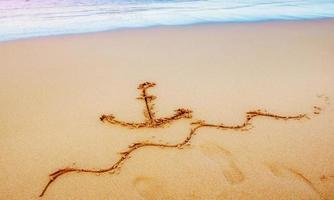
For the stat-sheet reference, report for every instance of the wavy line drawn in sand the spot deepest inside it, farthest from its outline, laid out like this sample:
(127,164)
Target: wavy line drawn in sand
(287,172)
(326,177)
(155,123)
(150,120)
(325,98)
(316,110)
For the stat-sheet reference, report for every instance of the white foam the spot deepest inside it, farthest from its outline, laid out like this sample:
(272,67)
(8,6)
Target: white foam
(22,19)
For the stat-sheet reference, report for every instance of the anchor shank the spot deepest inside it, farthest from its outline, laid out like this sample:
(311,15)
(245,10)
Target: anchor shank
(148,106)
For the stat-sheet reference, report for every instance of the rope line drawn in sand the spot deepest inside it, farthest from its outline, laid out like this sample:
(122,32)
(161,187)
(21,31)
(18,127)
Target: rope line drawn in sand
(154,123)
(325,178)
(149,114)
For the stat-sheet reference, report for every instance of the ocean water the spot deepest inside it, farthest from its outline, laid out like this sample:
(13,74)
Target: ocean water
(32,18)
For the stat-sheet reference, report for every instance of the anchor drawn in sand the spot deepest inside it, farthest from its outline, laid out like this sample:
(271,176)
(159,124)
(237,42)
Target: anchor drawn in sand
(150,120)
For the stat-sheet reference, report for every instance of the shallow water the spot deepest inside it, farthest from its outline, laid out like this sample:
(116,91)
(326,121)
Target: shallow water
(31,18)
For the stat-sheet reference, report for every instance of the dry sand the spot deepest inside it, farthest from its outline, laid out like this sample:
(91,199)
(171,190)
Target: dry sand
(53,91)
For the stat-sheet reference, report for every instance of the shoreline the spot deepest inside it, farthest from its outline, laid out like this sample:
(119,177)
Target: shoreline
(168,27)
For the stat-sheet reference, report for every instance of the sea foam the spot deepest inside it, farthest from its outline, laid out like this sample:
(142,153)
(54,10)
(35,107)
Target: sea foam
(32,18)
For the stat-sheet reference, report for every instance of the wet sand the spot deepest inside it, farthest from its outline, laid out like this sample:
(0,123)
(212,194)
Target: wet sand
(54,90)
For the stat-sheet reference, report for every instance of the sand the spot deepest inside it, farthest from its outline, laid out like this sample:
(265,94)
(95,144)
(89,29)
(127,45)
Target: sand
(54,90)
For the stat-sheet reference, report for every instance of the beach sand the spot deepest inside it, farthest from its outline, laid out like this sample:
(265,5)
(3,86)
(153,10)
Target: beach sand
(53,91)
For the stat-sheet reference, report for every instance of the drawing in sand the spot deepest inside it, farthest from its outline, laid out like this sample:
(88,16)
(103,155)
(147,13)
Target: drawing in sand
(152,122)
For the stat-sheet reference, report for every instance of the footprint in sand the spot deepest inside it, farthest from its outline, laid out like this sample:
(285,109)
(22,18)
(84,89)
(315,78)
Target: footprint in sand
(150,188)
(293,174)
(226,161)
